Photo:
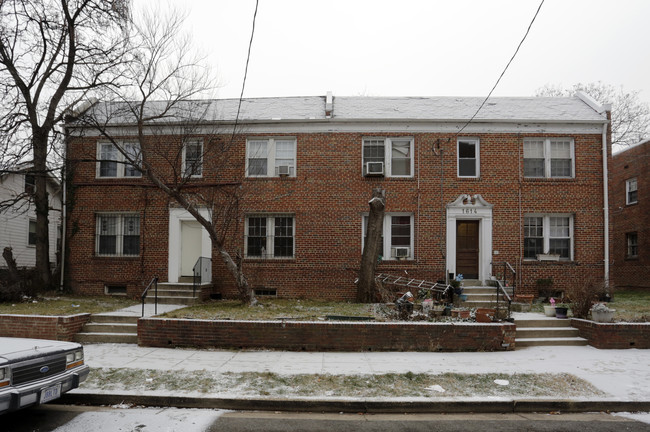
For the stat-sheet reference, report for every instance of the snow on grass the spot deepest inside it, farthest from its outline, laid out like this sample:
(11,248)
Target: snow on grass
(396,385)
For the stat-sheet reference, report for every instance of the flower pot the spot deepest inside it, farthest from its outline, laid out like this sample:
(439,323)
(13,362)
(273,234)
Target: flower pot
(485,315)
(603,316)
(561,312)
(457,313)
(549,311)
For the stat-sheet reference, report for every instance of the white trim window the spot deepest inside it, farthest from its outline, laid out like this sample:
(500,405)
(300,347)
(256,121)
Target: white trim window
(469,157)
(398,227)
(117,234)
(549,158)
(632,243)
(270,236)
(271,157)
(631,193)
(391,157)
(193,159)
(31,232)
(548,234)
(112,163)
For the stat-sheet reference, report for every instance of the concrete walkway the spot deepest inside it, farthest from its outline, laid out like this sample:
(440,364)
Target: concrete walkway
(149,310)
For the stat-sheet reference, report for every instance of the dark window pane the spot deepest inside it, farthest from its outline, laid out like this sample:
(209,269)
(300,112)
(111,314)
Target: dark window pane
(108,169)
(131,245)
(107,244)
(466,150)
(559,246)
(467,167)
(256,167)
(532,247)
(533,167)
(560,167)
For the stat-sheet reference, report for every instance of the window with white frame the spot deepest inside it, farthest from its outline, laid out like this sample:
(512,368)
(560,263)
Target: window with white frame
(271,157)
(548,234)
(468,157)
(114,163)
(118,234)
(391,157)
(31,233)
(631,196)
(632,243)
(270,236)
(193,159)
(398,227)
(549,158)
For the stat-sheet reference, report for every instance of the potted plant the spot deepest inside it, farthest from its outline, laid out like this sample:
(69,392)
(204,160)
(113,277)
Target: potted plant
(549,310)
(561,310)
(601,313)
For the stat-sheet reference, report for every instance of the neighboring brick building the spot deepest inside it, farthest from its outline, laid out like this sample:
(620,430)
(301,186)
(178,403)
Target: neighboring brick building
(522,182)
(630,208)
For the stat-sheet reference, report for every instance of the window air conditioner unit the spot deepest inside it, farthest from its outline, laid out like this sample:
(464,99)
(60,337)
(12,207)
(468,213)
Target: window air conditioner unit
(401,252)
(374,168)
(283,170)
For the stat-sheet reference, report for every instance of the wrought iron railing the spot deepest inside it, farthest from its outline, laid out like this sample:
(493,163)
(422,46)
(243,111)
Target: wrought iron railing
(154,283)
(506,279)
(202,272)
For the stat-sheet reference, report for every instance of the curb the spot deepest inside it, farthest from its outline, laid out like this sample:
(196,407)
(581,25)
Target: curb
(359,406)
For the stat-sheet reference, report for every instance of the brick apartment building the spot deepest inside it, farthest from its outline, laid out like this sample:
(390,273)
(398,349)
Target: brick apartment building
(521,183)
(630,204)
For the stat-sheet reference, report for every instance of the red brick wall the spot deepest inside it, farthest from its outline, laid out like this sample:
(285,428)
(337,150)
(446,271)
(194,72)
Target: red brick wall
(328,198)
(42,327)
(614,335)
(315,336)
(634,162)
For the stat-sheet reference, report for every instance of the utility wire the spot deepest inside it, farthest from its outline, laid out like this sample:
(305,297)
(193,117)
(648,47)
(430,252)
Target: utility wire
(248,57)
(504,70)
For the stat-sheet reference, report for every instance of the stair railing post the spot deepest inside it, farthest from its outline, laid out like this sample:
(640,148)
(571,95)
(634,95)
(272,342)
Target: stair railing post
(155,290)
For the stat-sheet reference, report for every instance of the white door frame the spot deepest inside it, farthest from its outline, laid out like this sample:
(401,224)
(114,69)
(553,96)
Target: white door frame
(176,216)
(468,207)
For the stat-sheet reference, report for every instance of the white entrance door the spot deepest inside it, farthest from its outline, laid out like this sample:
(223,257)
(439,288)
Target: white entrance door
(190,246)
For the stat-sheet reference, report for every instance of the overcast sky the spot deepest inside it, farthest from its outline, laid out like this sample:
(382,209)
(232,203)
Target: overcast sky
(421,48)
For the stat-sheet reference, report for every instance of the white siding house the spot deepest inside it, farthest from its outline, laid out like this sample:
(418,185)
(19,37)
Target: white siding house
(18,222)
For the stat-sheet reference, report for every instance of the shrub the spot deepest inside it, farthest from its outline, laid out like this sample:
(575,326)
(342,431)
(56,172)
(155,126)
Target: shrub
(583,296)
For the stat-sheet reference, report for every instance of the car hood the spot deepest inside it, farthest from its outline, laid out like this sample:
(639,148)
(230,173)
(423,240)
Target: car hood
(21,348)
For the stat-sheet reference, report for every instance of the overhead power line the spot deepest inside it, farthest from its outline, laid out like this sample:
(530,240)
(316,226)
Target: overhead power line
(248,57)
(504,70)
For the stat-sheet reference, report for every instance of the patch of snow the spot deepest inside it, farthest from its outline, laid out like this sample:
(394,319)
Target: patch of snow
(501,382)
(436,388)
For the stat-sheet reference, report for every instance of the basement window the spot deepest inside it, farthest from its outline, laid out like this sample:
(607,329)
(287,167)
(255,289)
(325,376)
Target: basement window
(115,289)
(265,292)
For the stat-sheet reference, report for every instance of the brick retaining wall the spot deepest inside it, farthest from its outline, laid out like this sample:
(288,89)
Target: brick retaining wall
(42,327)
(614,335)
(326,336)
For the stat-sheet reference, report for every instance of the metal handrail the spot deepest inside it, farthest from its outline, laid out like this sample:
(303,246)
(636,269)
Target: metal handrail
(501,285)
(199,271)
(153,282)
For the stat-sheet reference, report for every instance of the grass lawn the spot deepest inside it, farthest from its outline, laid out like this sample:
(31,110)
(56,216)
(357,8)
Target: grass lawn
(272,309)
(51,304)
(631,305)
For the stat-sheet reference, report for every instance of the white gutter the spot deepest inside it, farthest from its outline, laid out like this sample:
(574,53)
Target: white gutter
(606,203)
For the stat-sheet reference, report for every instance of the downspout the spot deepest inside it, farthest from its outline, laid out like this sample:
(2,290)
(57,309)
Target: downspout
(64,207)
(606,202)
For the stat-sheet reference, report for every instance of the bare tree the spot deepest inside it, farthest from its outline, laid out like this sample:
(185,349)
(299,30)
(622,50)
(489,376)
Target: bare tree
(371,247)
(630,116)
(52,54)
(176,140)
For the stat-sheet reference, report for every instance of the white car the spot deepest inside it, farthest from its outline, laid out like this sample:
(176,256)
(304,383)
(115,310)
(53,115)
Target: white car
(35,371)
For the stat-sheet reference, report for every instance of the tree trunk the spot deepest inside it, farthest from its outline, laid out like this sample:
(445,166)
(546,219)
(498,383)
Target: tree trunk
(371,248)
(41,203)
(11,265)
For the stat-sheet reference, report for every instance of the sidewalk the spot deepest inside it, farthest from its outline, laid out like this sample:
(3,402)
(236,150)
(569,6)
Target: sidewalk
(623,375)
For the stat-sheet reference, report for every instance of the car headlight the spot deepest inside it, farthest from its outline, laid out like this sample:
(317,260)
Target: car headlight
(4,376)
(74,359)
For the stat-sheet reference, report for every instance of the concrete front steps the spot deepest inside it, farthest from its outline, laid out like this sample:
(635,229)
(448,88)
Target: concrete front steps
(105,328)
(546,331)
(179,293)
(479,295)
